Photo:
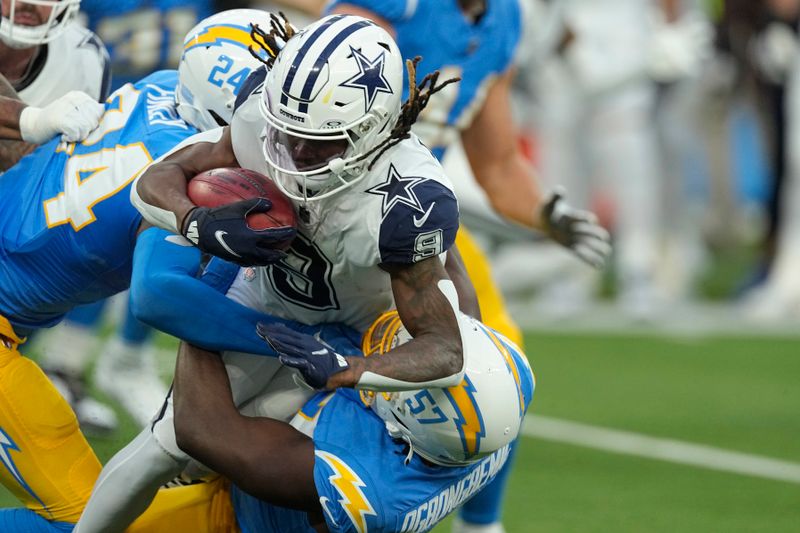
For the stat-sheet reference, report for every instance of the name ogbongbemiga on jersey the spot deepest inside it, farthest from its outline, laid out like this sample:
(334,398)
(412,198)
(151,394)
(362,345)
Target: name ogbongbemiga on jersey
(161,108)
(431,512)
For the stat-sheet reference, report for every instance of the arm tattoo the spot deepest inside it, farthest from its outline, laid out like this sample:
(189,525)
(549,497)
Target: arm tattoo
(435,352)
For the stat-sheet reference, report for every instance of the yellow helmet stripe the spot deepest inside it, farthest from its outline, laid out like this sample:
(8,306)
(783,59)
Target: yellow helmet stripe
(222,33)
(512,366)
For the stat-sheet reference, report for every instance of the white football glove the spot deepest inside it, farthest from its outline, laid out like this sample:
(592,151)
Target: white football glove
(679,49)
(74,115)
(576,229)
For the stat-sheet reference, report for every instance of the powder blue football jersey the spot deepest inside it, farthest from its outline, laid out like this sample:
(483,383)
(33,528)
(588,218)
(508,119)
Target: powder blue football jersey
(362,475)
(68,228)
(440,33)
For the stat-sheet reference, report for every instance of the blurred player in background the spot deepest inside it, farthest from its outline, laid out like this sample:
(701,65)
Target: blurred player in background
(596,124)
(68,234)
(44,55)
(775,58)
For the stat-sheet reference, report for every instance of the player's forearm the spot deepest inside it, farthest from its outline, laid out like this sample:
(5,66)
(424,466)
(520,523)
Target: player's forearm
(422,294)
(10,111)
(513,190)
(204,407)
(160,195)
(166,294)
(12,148)
(425,359)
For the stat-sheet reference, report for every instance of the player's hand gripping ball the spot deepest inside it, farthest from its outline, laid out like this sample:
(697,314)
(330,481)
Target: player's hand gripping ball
(241,217)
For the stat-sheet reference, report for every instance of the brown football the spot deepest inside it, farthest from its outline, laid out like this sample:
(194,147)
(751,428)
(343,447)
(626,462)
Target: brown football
(221,186)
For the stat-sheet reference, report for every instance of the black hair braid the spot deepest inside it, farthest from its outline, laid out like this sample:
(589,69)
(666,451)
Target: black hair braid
(280,29)
(418,96)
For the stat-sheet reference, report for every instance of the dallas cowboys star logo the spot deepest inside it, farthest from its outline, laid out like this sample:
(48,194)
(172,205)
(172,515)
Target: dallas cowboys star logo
(398,189)
(370,77)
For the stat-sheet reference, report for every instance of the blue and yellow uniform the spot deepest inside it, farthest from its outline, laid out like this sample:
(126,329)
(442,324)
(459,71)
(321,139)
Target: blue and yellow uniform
(67,237)
(362,477)
(477,53)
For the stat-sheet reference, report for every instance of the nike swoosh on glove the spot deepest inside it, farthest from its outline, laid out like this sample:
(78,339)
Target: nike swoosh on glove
(223,231)
(577,230)
(315,361)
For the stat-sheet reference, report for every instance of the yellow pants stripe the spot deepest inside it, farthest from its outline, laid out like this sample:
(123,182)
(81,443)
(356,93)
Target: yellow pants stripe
(45,461)
(493,308)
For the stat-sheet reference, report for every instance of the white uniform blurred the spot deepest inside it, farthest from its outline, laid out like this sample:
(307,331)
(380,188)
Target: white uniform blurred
(779,297)
(595,101)
(76,60)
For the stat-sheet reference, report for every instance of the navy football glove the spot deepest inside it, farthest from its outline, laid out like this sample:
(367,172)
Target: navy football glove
(315,361)
(223,232)
(576,229)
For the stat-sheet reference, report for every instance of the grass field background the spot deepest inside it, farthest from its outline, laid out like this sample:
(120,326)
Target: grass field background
(736,393)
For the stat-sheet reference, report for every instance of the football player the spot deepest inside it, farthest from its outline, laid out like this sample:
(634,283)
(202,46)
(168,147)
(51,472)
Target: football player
(67,237)
(434,448)
(62,71)
(141,37)
(477,40)
(44,55)
(398,461)
(376,213)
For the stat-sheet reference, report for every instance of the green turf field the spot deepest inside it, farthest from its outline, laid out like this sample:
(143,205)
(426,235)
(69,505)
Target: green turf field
(737,394)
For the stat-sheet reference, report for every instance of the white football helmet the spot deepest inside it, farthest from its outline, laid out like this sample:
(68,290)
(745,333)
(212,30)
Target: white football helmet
(214,65)
(458,425)
(17,34)
(332,95)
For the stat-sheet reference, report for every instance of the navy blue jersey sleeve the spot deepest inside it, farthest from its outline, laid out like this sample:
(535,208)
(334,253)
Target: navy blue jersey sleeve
(391,10)
(252,84)
(419,221)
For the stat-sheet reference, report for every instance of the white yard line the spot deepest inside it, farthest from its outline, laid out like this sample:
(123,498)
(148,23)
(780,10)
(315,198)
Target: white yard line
(685,321)
(674,451)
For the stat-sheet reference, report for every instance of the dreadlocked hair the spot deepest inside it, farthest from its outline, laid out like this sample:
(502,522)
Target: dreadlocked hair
(280,29)
(418,96)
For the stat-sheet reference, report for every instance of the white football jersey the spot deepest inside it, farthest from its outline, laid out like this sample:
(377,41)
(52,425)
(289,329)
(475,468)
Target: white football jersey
(402,211)
(75,61)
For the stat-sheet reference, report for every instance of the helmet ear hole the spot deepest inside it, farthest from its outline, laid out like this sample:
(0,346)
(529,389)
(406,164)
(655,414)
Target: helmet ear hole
(218,119)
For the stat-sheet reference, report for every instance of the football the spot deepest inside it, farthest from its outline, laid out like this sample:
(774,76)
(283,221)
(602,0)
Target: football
(222,186)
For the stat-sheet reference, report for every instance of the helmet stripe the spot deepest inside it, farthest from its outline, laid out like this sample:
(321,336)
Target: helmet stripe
(301,53)
(510,363)
(469,419)
(219,34)
(323,58)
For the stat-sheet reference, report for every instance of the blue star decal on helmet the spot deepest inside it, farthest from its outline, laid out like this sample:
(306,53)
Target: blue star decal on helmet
(370,77)
(398,189)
